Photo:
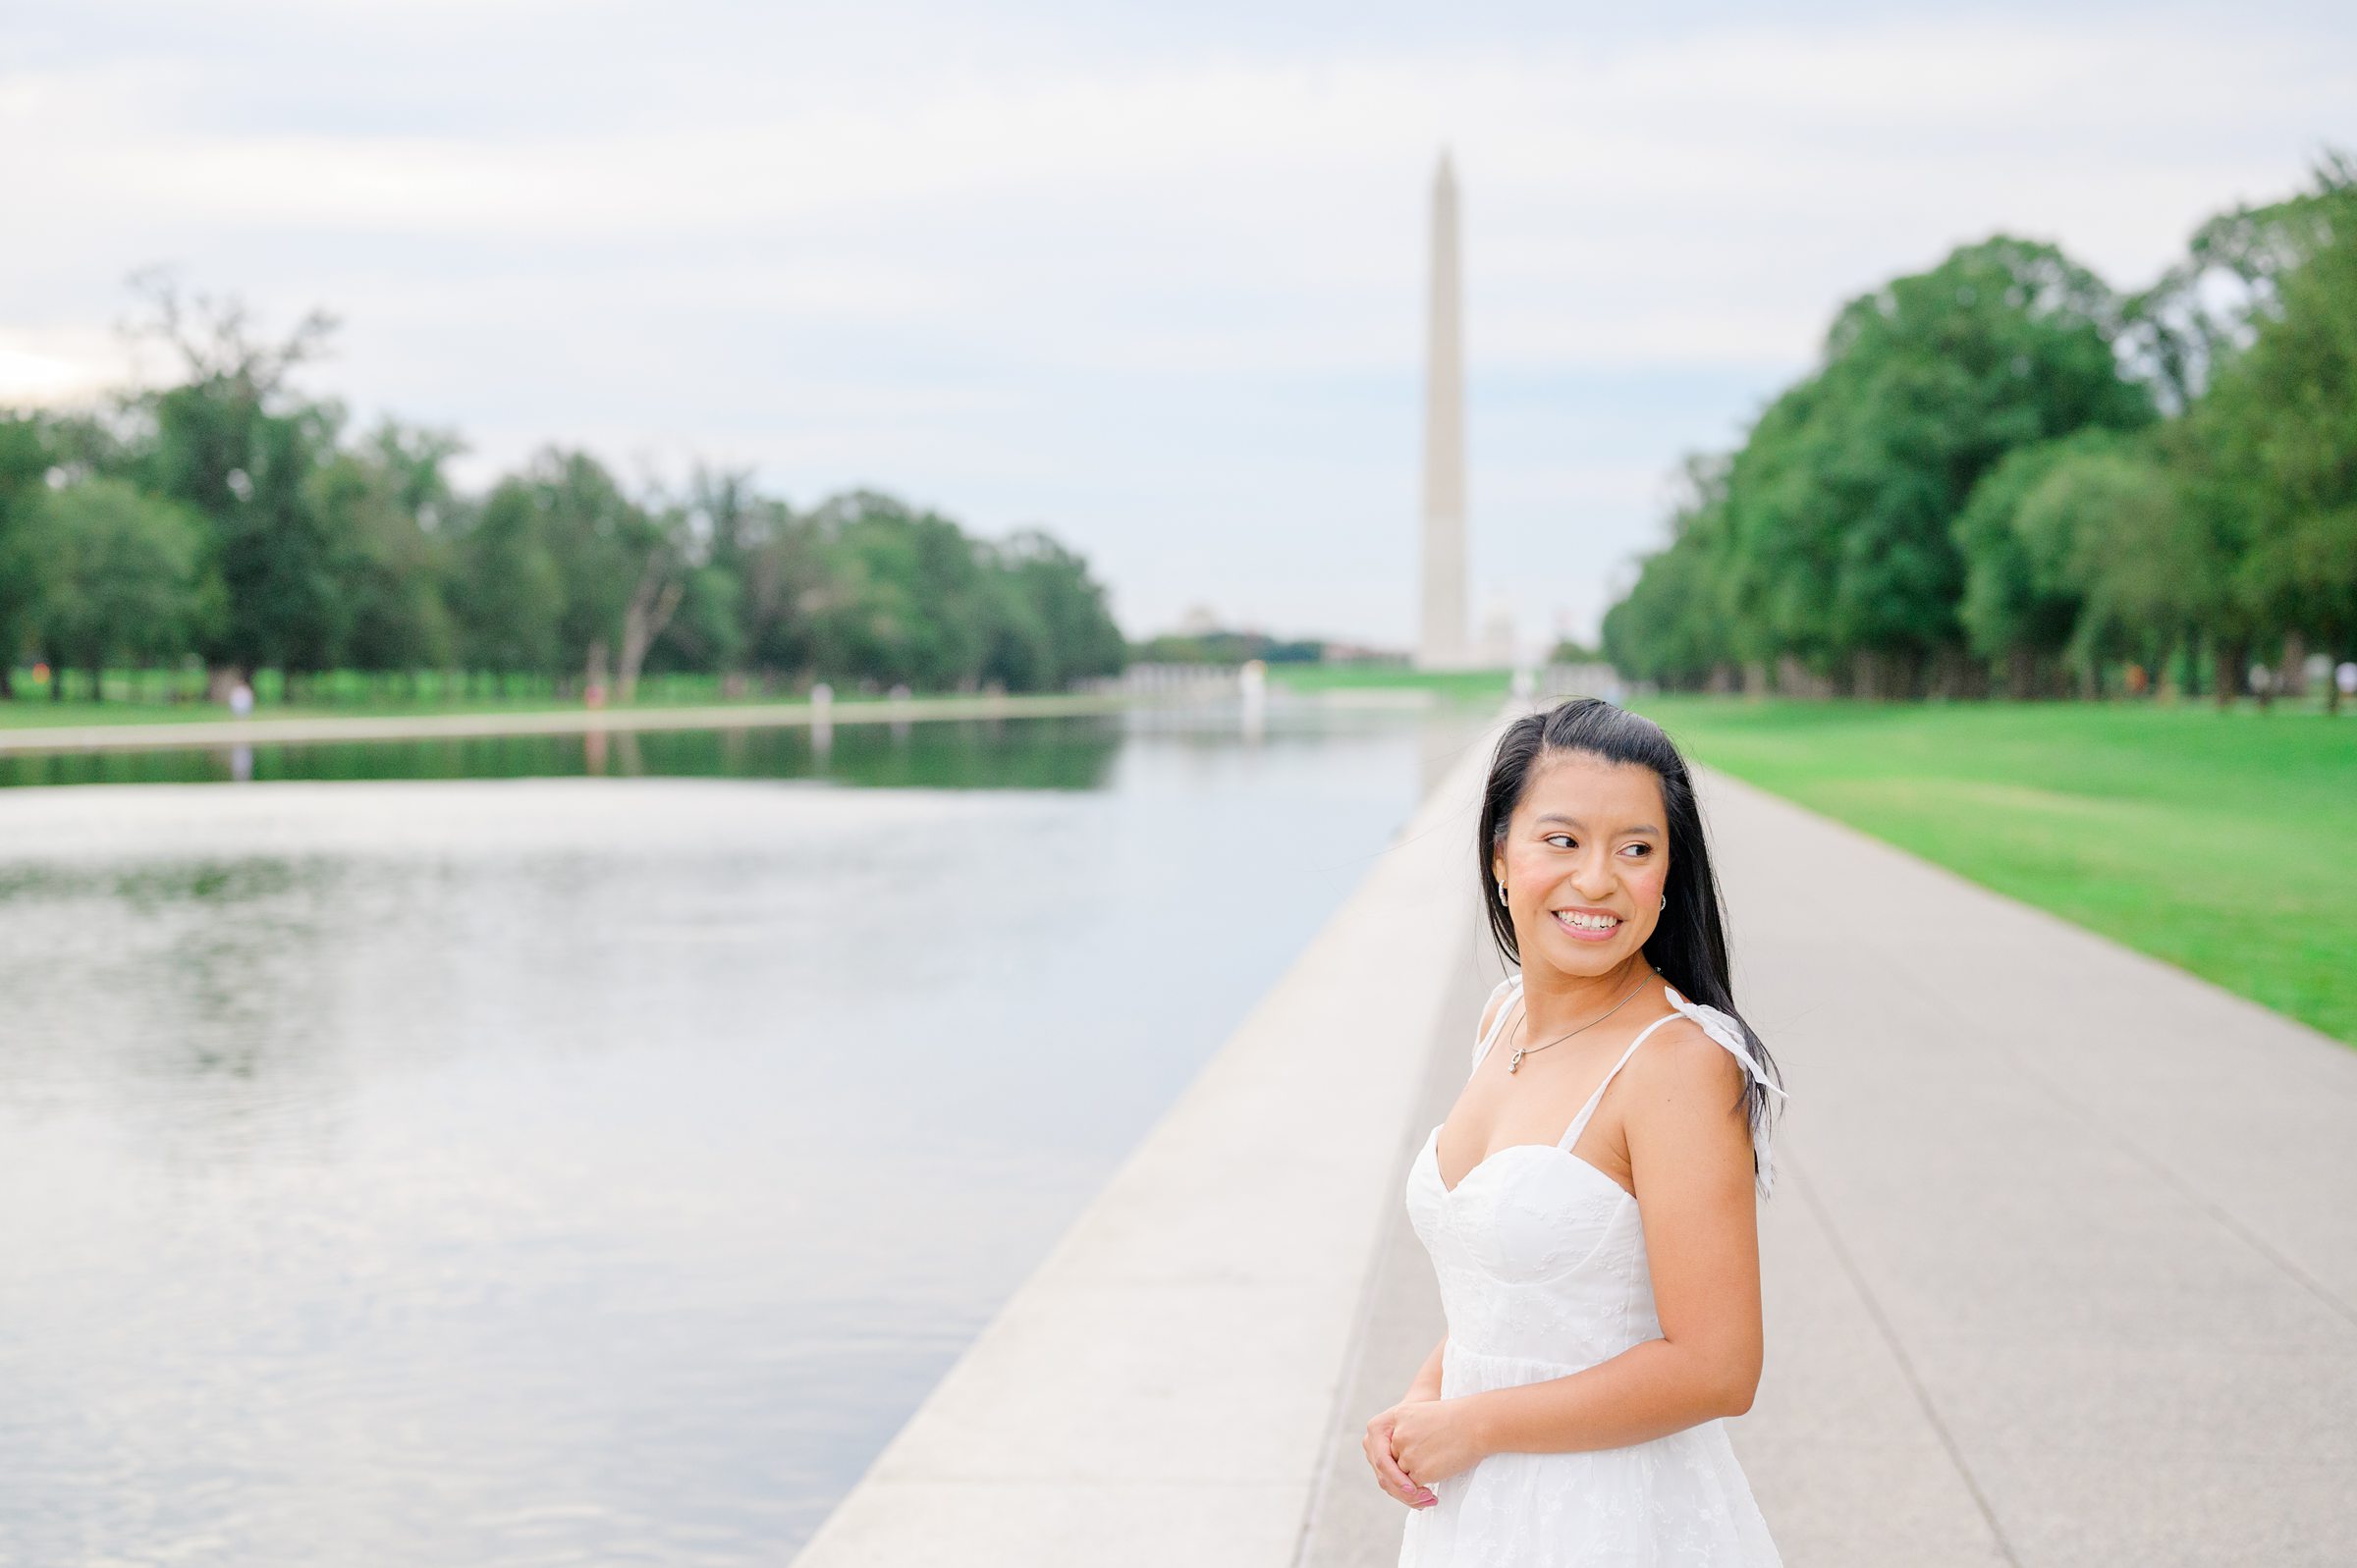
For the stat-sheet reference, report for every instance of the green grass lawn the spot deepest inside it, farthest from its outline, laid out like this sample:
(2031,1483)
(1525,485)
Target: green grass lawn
(1456,685)
(2223,842)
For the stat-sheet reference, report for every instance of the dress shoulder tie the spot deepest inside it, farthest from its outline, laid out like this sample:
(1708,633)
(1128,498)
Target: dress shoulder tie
(1723,1027)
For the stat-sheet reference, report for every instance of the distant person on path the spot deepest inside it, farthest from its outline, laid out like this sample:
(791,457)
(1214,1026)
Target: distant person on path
(1597,1246)
(241,701)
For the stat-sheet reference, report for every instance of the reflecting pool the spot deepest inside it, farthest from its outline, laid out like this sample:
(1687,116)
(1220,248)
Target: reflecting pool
(496,1153)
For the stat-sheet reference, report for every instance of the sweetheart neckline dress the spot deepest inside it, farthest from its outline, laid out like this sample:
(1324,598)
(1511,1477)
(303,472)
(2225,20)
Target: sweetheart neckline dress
(1542,1268)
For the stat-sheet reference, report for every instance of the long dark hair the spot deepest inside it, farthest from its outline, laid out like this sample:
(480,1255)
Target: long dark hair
(1688,945)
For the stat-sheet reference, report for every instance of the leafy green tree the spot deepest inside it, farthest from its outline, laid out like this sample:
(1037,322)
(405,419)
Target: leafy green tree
(507,590)
(279,554)
(1763,543)
(719,532)
(2107,526)
(728,514)
(414,460)
(902,598)
(620,563)
(314,549)
(2202,311)
(1830,537)
(1928,383)
(1669,627)
(1019,650)
(708,631)
(1049,625)
(783,585)
(24,462)
(595,534)
(2276,430)
(234,442)
(2022,596)
(123,577)
(388,567)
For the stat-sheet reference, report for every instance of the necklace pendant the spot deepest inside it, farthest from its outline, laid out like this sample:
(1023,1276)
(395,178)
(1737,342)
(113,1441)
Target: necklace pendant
(1514,1063)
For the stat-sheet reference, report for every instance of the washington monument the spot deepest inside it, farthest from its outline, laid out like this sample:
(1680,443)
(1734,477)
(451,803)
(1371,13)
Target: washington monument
(1441,641)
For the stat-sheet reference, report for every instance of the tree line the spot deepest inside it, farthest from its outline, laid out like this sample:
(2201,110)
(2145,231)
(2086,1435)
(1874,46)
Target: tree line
(2003,478)
(231,519)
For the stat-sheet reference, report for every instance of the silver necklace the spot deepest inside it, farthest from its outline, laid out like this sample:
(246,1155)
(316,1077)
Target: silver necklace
(1514,1062)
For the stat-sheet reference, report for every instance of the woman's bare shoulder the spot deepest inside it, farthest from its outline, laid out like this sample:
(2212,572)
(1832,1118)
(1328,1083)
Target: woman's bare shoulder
(1681,1062)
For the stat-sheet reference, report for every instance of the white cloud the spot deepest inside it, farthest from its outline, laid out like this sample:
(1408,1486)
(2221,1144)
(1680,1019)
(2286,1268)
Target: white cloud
(1040,273)
(58,367)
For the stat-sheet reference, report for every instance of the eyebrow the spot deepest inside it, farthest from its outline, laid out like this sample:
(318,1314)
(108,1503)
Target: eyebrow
(1554,816)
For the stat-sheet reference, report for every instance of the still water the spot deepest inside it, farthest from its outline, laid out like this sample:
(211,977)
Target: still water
(419,1156)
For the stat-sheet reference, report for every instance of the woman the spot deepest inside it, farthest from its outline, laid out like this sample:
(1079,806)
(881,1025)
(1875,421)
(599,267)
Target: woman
(1589,1204)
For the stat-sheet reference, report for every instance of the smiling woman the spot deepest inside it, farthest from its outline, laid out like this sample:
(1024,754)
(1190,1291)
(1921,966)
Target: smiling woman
(1601,1279)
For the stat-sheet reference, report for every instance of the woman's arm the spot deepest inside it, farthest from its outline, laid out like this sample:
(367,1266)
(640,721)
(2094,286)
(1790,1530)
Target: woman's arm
(1425,1384)
(1690,1147)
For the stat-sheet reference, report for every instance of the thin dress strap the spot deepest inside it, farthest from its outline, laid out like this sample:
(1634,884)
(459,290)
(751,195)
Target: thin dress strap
(1579,1123)
(1481,1047)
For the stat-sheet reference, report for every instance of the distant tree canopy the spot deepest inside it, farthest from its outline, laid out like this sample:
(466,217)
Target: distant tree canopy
(2002,476)
(229,519)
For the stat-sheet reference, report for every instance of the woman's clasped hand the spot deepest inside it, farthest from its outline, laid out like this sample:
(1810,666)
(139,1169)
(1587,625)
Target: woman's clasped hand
(1417,1443)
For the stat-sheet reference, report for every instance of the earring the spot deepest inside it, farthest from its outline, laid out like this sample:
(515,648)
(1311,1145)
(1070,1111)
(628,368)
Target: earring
(1502,893)
(1665,900)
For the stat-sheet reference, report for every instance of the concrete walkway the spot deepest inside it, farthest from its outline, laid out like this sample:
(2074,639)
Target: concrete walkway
(2061,1267)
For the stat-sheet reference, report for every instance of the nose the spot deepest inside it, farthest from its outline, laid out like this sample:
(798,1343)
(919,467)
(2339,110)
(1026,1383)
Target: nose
(1594,877)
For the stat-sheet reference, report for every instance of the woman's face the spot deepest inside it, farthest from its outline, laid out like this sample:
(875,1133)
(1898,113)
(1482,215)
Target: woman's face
(1584,862)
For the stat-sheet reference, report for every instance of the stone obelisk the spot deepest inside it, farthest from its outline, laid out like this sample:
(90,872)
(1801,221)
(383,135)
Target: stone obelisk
(1441,641)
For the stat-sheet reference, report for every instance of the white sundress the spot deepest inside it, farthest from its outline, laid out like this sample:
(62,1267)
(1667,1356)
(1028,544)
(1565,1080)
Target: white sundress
(1541,1271)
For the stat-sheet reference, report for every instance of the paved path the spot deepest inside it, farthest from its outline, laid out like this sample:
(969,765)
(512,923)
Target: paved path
(2061,1267)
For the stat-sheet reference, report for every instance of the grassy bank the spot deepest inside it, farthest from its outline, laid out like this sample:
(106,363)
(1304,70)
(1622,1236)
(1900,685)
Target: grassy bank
(1454,685)
(2223,842)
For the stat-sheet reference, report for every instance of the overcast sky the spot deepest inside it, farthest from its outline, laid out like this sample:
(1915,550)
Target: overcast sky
(1152,280)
